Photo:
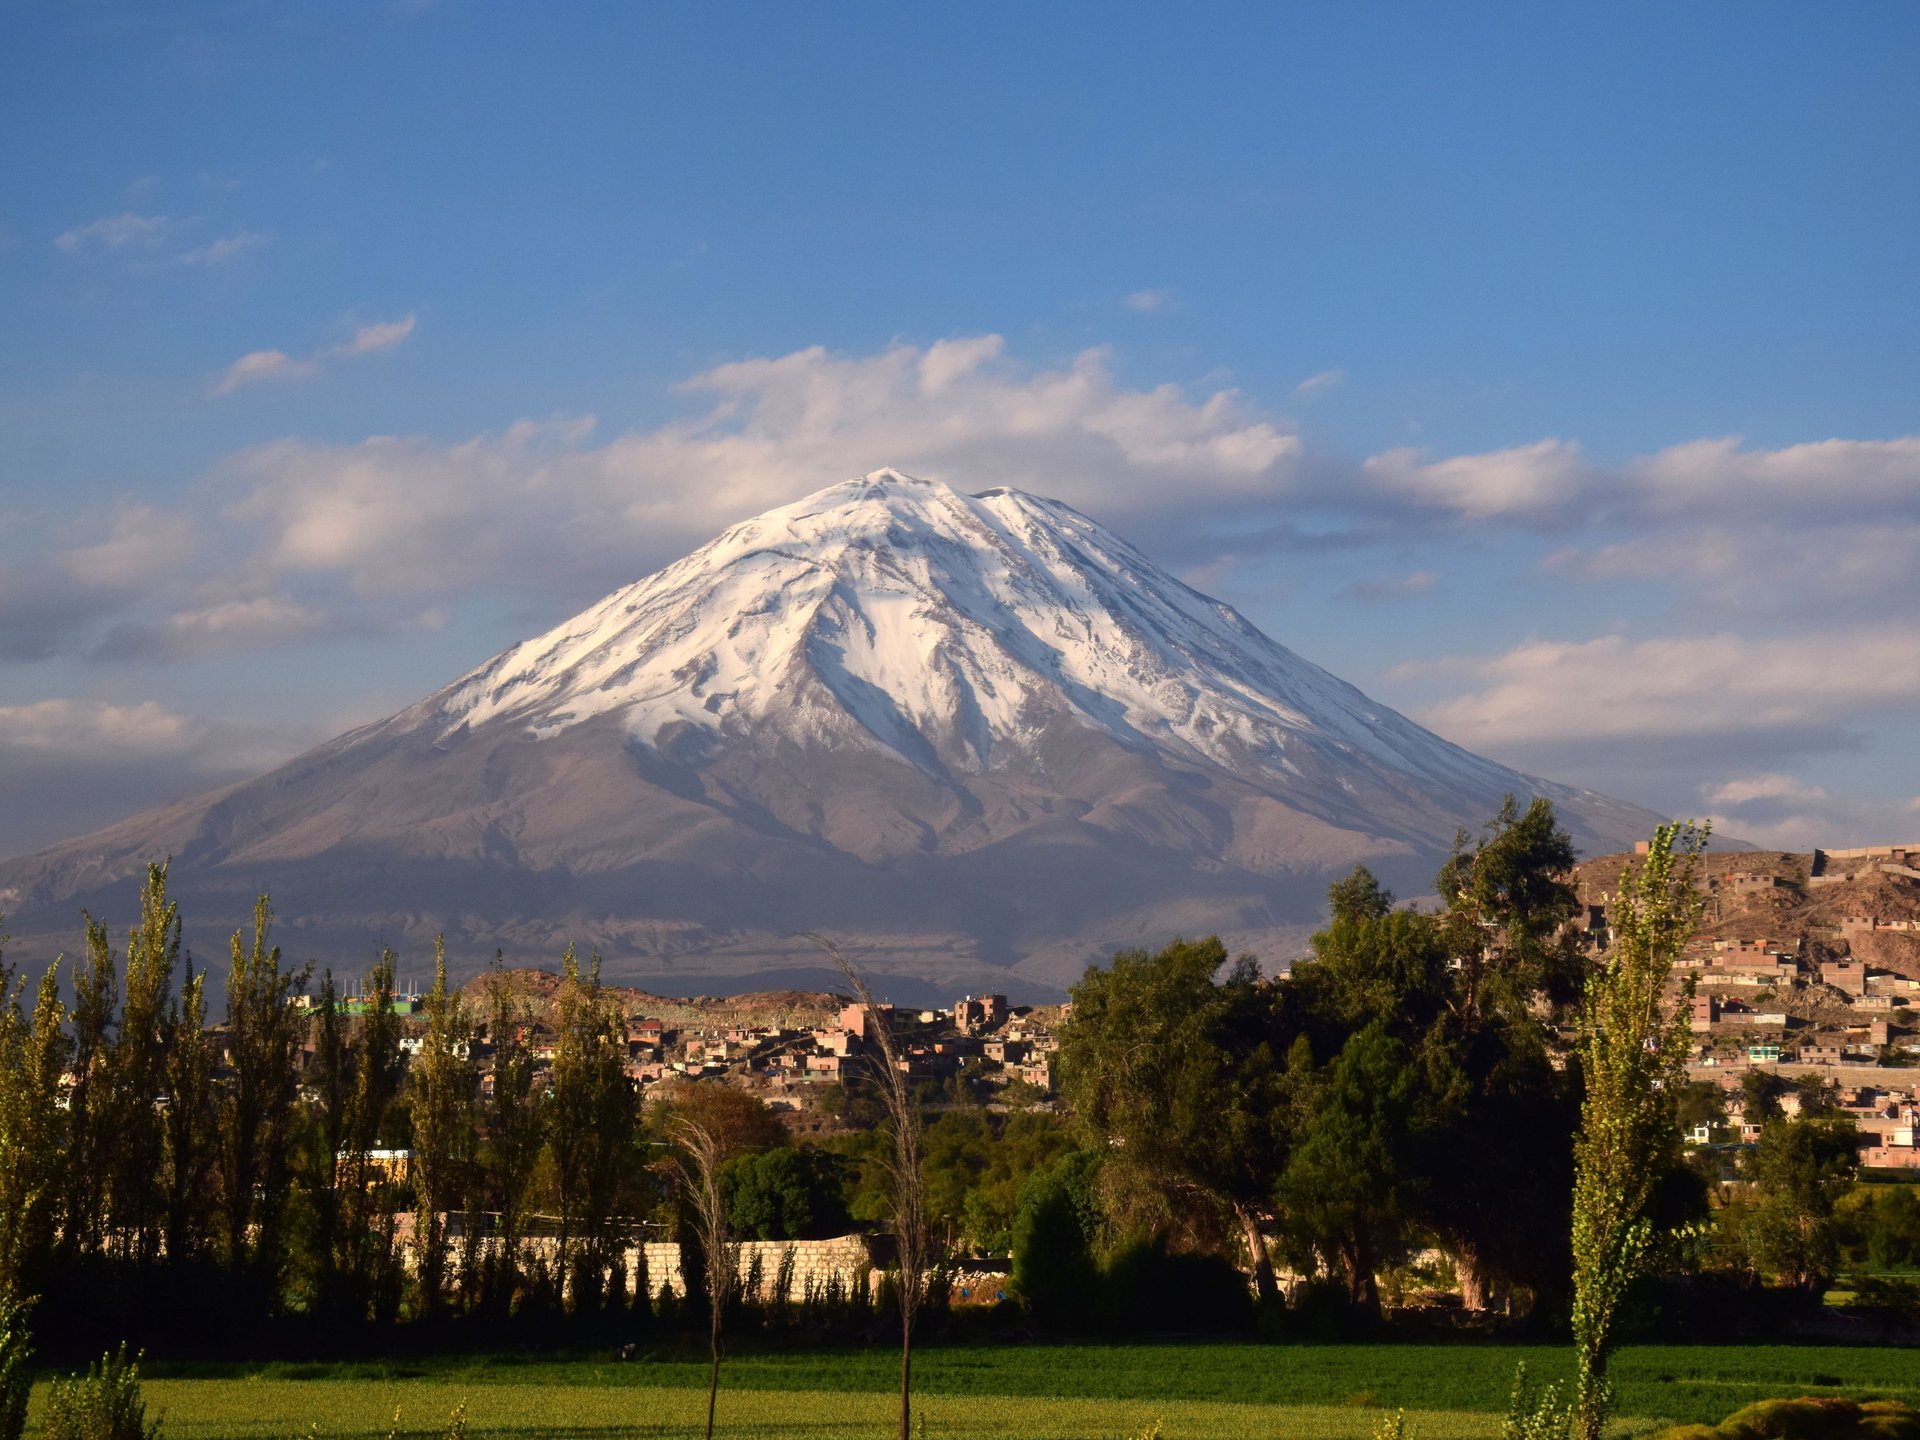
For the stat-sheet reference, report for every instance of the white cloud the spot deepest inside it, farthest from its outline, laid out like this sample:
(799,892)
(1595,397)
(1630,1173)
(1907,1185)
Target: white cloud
(1762,787)
(81,727)
(225,248)
(1767,564)
(1787,813)
(221,627)
(1844,478)
(400,514)
(145,545)
(1147,301)
(369,338)
(1613,688)
(278,365)
(1317,384)
(257,365)
(115,231)
(1526,480)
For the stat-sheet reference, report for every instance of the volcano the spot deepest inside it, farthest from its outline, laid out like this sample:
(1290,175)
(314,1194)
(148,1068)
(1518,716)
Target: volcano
(978,740)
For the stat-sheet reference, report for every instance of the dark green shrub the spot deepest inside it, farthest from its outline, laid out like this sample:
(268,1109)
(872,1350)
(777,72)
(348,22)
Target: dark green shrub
(1151,1289)
(1053,1270)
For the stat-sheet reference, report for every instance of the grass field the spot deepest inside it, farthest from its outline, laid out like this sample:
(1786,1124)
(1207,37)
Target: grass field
(1234,1392)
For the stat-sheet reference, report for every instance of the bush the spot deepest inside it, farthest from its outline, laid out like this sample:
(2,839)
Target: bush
(103,1404)
(1150,1288)
(1053,1270)
(785,1194)
(1809,1419)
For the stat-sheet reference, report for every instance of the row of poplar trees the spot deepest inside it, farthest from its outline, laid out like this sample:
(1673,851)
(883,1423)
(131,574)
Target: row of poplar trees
(155,1164)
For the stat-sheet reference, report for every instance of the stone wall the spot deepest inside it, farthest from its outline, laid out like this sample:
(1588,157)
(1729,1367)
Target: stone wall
(851,1260)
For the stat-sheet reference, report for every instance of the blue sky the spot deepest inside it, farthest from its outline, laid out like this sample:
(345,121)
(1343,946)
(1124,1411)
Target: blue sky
(1549,372)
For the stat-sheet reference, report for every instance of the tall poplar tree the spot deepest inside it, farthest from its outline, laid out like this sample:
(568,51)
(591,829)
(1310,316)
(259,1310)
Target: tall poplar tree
(592,1128)
(256,1103)
(442,1094)
(86,1158)
(192,1152)
(1632,1049)
(136,1074)
(33,1053)
(515,1119)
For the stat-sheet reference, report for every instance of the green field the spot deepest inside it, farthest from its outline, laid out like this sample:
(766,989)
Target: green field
(1049,1392)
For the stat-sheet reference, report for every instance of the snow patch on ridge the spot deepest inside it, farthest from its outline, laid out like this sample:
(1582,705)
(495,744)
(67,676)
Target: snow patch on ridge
(903,613)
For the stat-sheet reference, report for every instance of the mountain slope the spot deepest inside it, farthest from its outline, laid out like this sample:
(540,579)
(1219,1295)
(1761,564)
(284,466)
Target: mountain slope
(966,735)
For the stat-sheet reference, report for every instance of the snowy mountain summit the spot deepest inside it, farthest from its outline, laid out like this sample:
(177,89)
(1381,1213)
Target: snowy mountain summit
(943,627)
(965,734)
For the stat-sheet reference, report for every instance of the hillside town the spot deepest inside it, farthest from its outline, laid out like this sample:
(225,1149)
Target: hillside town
(795,1052)
(1805,964)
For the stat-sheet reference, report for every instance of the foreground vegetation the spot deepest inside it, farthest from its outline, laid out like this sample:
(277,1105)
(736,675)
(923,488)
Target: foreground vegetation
(233,1189)
(1196,1390)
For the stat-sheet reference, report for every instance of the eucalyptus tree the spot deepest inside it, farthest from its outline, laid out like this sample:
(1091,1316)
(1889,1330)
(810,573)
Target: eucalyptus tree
(1176,1077)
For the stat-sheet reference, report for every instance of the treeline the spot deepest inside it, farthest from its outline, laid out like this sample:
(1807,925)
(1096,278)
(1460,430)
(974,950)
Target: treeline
(1405,1087)
(191,1181)
(1416,1086)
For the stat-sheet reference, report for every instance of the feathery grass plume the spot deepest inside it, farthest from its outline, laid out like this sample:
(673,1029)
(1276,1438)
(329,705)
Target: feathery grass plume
(701,1157)
(918,1257)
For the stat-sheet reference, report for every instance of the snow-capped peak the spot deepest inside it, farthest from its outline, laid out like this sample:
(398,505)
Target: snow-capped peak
(903,612)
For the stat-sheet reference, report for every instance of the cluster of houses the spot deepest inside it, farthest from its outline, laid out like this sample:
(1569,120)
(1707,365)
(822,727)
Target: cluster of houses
(1885,1117)
(980,1037)
(1818,1002)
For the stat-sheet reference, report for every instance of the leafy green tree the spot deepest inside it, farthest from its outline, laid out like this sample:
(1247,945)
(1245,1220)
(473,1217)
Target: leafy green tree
(1174,1076)
(1360,896)
(136,1075)
(1632,1050)
(369,1265)
(87,1153)
(256,1105)
(1760,1092)
(1879,1226)
(1495,1089)
(515,1126)
(33,1050)
(1389,965)
(189,1121)
(1798,1173)
(444,1087)
(592,1128)
(1347,1190)
(789,1193)
(1054,1271)
(1508,899)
